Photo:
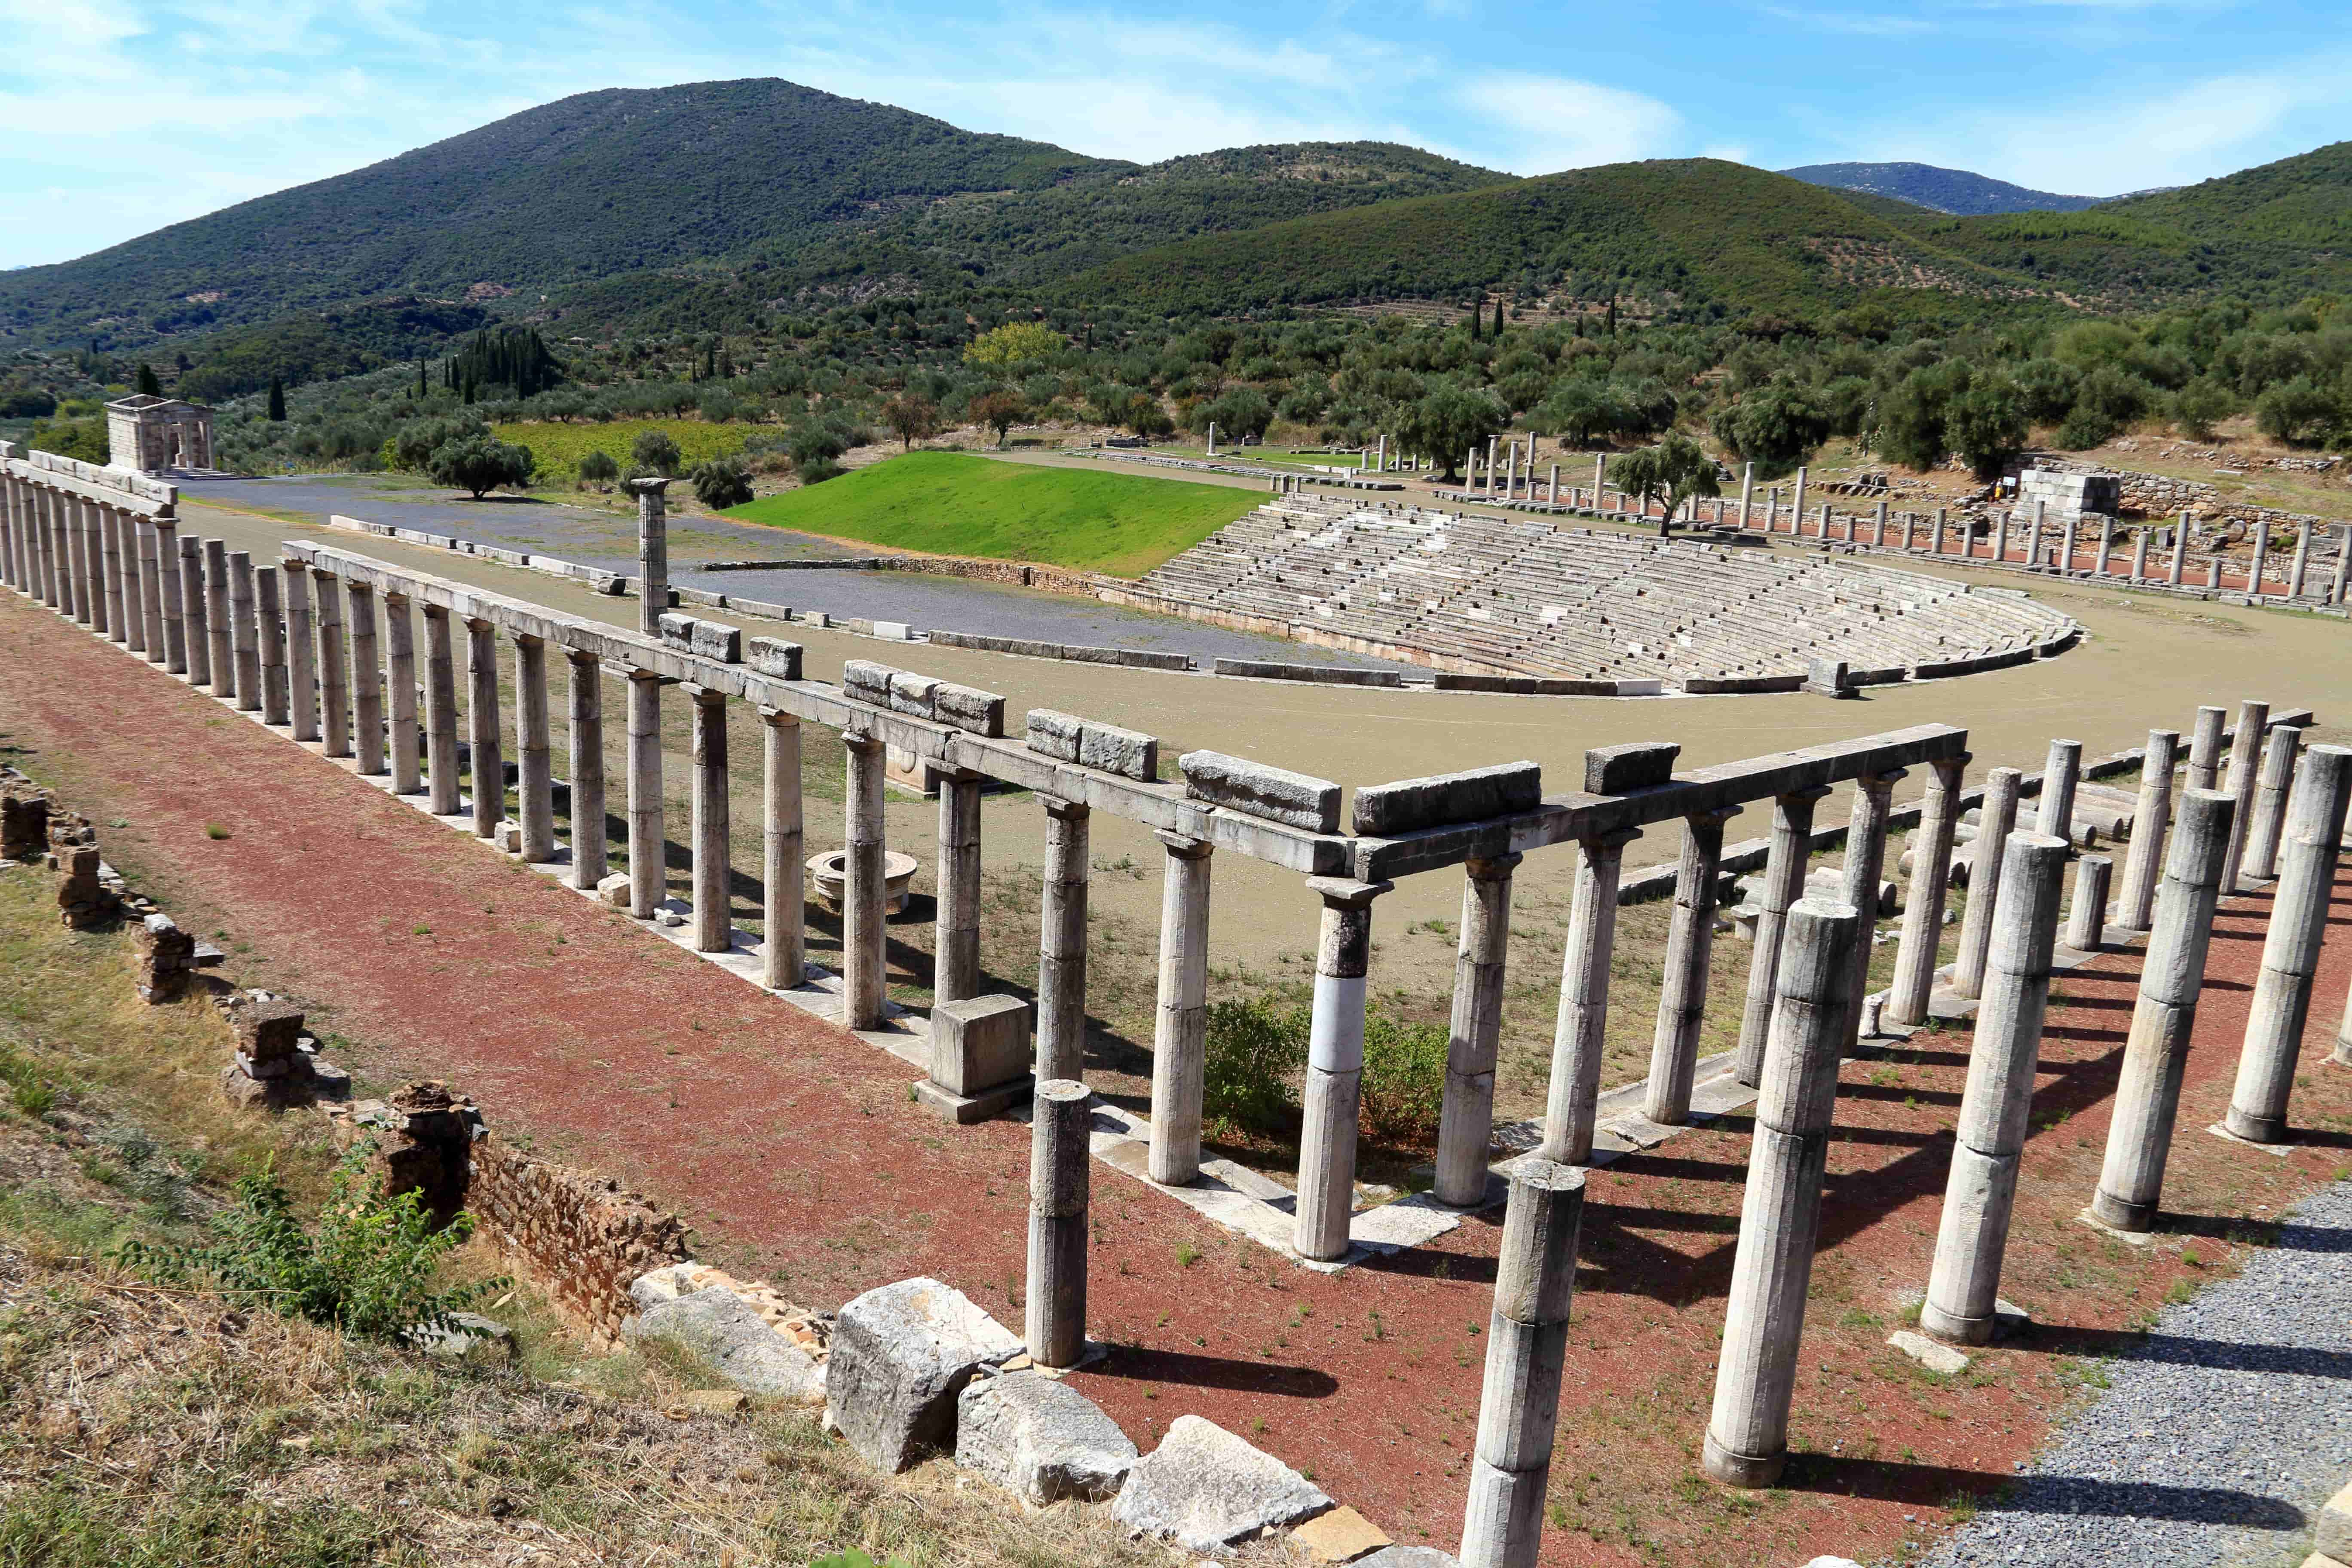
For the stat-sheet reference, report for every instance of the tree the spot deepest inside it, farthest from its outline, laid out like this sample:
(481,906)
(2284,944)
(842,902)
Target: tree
(1986,425)
(1014,344)
(480,462)
(1499,320)
(276,400)
(1580,410)
(2201,404)
(912,417)
(1911,416)
(2298,412)
(1447,421)
(654,449)
(148,383)
(1777,426)
(1238,412)
(597,467)
(1674,471)
(720,483)
(999,411)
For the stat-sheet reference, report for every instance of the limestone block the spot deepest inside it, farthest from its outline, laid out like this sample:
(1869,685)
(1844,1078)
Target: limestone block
(1639,764)
(268,1033)
(1386,810)
(615,890)
(896,631)
(913,694)
(1932,1355)
(966,708)
(712,640)
(1054,734)
(746,1353)
(979,1043)
(1342,1535)
(1040,1438)
(1205,1489)
(1409,1557)
(678,631)
(774,656)
(165,955)
(2333,1528)
(1276,794)
(864,681)
(1126,753)
(902,1355)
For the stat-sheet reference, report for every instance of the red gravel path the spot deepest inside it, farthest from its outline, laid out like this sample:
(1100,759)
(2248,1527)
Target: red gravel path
(794,1148)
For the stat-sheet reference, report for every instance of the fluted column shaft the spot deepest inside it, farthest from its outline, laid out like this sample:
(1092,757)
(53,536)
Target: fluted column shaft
(1466,1119)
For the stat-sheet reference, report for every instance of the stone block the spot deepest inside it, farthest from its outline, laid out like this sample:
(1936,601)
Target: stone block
(615,890)
(1126,753)
(1828,677)
(1205,1489)
(979,1043)
(1342,1535)
(1639,764)
(711,640)
(912,694)
(969,709)
(267,1032)
(722,1329)
(1275,795)
(678,631)
(896,631)
(773,656)
(902,1355)
(1040,1439)
(1054,734)
(1932,1355)
(2332,1534)
(1385,810)
(1409,1557)
(866,681)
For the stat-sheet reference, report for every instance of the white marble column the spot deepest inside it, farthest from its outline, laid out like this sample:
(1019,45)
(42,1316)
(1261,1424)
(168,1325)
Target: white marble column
(1467,1120)
(482,738)
(301,649)
(1334,1068)
(1996,819)
(784,948)
(1572,1105)
(1062,943)
(1690,956)
(585,692)
(955,931)
(1784,882)
(442,792)
(713,823)
(400,690)
(648,876)
(534,753)
(865,892)
(1180,1023)
(2143,866)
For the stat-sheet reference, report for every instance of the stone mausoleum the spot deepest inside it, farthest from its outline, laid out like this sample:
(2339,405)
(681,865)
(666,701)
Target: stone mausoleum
(156,435)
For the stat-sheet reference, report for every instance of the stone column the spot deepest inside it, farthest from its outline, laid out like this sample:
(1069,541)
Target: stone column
(1797,506)
(1690,954)
(400,685)
(482,738)
(63,529)
(2213,572)
(653,554)
(1865,868)
(2059,776)
(713,824)
(1943,520)
(1554,493)
(1062,943)
(1573,1102)
(94,532)
(1906,531)
(586,681)
(1996,820)
(106,596)
(1923,907)
(301,651)
(243,631)
(2033,538)
(221,623)
(2261,558)
(1334,1068)
(2148,1097)
(2245,760)
(2139,555)
(168,594)
(955,934)
(367,682)
(2282,1007)
(784,949)
(2086,921)
(2106,542)
(1746,491)
(648,881)
(1466,1123)
(1878,526)
(1981,1190)
(2205,749)
(2143,863)
(2180,549)
(1780,1219)
(270,611)
(194,613)
(2337,585)
(151,590)
(865,892)
(440,713)
(1784,882)
(2302,561)
(1527,1356)
(2260,862)
(534,755)
(2066,544)
(1060,1164)
(1180,1033)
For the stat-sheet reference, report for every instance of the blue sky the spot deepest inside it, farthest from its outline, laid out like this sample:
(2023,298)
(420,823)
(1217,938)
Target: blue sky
(119,116)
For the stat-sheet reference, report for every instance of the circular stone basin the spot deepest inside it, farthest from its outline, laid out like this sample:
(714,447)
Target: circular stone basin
(829,874)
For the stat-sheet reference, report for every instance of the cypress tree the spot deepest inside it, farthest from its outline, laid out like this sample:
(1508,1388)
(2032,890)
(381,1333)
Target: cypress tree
(1477,319)
(1499,320)
(276,400)
(148,384)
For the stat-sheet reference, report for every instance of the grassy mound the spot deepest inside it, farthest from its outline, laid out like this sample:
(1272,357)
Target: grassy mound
(946,503)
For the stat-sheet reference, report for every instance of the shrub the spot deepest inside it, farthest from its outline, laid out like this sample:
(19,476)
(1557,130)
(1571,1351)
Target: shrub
(598,467)
(479,462)
(720,483)
(818,470)
(1255,1050)
(1404,1079)
(368,1269)
(2298,412)
(654,449)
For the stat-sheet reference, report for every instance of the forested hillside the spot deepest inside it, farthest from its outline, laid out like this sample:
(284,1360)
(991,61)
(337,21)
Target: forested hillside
(1954,191)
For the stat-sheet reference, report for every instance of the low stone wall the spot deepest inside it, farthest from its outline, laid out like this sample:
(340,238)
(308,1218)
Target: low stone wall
(1137,659)
(1319,674)
(579,1238)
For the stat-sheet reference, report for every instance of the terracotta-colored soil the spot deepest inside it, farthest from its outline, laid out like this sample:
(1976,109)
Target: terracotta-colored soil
(795,1151)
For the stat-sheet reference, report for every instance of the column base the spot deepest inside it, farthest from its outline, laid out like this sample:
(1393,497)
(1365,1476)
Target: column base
(2134,1223)
(2342,1055)
(2254,1128)
(1737,1470)
(1953,1327)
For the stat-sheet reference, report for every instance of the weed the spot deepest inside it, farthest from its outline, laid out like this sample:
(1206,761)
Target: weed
(1187,1254)
(213,830)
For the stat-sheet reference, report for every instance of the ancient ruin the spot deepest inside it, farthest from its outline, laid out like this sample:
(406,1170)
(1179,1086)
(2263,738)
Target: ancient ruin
(151,435)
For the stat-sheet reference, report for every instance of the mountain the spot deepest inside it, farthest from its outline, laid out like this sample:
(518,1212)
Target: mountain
(1954,191)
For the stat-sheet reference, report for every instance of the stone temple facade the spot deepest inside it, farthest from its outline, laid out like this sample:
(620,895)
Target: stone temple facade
(2066,493)
(156,435)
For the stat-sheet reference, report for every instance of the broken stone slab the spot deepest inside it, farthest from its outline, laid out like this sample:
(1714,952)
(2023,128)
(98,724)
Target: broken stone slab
(1126,753)
(613,890)
(455,1336)
(721,1328)
(1386,810)
(1638,764)
(1410,1557)
(1933,1355)
(1253,789)
(1342,1535)
(1040,1439)
(774,656)
(1205,1489)
(866,681)
(902,1355)
(714,640)
(1054,734)
(676,631)
(970,709)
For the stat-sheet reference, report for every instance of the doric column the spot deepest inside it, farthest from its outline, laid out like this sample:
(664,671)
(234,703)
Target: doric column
(107,599)
(1878,526)
(1923,909)
(442,797)
(270,613)
(2205,742)
(2180,549)
(482,739)
(1060,1164)
(366,678)
(195,612)
(245,630)
(1746,491)
(2139,555)
(400,689)
(1865,868)
(301,673)
(534,759)
(1334,1068)
(1690,953)
(1573,1103)
(653,554)
(2282,1007)
(1784,881)
(2260,861)
(713,823)
(1526,1354)
(2302,560)
(587,768)
(2060,775)
(2136,901)
(2034,537)
(1180,1030)
(1467,1120)
(2245,760)
(1995,821)
(2066,543)
(1062,943)
(87,591)
(2147,1096)
(1779,1218)
(955,936)
(220,617)
(865,892)
(2213,572)
(65,531)
(151,590)
(784,947)
(2261,558)
(1990,1134)
(2338,584)
(648,877)
(2086,919)
(2105,541)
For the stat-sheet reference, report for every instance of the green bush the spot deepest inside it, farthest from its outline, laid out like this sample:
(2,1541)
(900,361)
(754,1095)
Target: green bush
(654,449)
(721,483)
(479,462)
(368,1269)
(598,467)
(1404,1079)
(1256,1052)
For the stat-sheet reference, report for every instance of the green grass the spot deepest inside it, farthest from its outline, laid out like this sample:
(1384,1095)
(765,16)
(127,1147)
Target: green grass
(948,504)
(559,447)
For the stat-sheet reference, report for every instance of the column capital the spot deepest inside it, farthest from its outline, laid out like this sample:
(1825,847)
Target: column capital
(635,675)
(1607,840)
(1068,810)
(1492,868)
(1949,769)
(706,694)
(862,742)
(580,658)
(1883,783)
(777,718)
(1184,847)
(1714,816)
(1807,793)
(1346,892)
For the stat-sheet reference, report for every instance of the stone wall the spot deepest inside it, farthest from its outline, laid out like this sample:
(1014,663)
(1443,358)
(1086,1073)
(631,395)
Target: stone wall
(579,1238)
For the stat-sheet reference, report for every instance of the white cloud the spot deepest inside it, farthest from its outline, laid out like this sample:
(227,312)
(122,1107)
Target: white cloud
(1540,124)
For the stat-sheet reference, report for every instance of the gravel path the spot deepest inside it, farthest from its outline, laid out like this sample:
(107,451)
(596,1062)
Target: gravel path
(2219,1438)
